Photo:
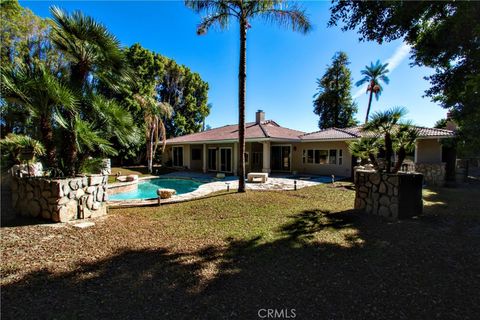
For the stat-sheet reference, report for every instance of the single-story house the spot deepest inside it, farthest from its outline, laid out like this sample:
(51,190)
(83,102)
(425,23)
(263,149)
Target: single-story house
(270,147)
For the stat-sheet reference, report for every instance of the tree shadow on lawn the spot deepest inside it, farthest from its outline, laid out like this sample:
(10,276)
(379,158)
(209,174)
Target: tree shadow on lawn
(323,265)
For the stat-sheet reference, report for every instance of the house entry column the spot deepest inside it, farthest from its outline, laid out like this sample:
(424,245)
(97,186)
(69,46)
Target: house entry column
(266,157)
(204,158)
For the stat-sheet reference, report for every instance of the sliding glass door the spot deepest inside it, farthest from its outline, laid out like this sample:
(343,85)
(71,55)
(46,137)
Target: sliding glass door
(212,159)
(226,159)
(280,158)
(177,157)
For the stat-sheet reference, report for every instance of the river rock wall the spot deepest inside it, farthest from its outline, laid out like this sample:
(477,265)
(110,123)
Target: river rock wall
(60,200)
(391,196)
(433,173)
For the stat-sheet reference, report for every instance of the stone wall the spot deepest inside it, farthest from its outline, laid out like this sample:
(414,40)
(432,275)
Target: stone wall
(433,173)
(392,196)
(60,200)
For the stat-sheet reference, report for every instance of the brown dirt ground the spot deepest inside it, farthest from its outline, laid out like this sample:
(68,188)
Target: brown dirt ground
(230,255)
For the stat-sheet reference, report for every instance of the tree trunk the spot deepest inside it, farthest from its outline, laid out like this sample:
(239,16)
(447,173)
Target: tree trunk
(72,153)
(242,77)
(150,151)
(388,152)
(47,138)
(401,155)
(369,105)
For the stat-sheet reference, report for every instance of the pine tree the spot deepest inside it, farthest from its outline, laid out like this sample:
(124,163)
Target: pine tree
(333,101)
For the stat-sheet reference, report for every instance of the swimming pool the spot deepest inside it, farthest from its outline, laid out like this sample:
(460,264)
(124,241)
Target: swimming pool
(148,189)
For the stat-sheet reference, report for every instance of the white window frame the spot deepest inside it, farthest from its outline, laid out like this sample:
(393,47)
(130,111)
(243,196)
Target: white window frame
(338,156)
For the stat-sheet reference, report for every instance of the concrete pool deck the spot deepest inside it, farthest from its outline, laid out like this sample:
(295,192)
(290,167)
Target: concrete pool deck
(276,182)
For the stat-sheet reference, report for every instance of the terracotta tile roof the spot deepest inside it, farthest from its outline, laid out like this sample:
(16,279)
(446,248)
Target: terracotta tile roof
(434,132)
(266,129)
(356,132)
(271,130)
(330,134)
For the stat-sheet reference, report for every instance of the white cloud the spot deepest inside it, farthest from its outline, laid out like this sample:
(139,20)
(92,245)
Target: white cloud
(398,56)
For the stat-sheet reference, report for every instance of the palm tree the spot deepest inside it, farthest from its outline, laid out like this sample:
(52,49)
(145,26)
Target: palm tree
(386,124)
(366,148)
(219,13)
(37,89)
(153,113)
(94,55)
(372,75)
(404,142)
(17,148)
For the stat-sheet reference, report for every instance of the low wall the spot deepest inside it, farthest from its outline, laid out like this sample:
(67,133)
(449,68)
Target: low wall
(433,173)
(392,196)
(120,187)
(60,200)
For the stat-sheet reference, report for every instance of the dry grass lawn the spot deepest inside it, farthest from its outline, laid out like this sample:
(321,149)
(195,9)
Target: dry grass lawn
(227,256)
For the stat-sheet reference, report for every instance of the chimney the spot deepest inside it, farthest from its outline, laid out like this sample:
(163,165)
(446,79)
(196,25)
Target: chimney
(451,125)
(259,116)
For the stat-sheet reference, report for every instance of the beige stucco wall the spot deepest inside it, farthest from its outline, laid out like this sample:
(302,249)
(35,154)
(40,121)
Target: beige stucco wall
(428,151)
(296,157)
(343,170)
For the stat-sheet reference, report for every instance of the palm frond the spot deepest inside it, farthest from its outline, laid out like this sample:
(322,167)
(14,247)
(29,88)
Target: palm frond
(292,17)
(220,19)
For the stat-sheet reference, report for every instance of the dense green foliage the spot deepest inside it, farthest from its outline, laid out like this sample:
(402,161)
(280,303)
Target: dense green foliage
(333,101)
(219,13)
(15,145)
(444,36)
(68,83)
(175,84)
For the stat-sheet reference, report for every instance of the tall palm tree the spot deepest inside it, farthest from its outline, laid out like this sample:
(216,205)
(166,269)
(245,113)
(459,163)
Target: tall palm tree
(219,13)
(373,75)
(94,55)
(155,132)
(386,124)
(37,89)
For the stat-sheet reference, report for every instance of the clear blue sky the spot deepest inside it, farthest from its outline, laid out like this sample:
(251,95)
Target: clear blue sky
(282,66)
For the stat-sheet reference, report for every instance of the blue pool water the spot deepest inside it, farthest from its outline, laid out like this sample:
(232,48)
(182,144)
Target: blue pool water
(148,189)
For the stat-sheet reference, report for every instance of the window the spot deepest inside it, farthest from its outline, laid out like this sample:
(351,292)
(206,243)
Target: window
(177,156)
(319,156)
(309,156)
(246,157)
(196,154)
(340,157)
(332,156)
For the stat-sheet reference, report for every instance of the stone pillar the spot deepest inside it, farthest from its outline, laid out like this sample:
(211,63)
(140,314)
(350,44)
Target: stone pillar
(204,158)
(355,172)
(392,196)
(266,157)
